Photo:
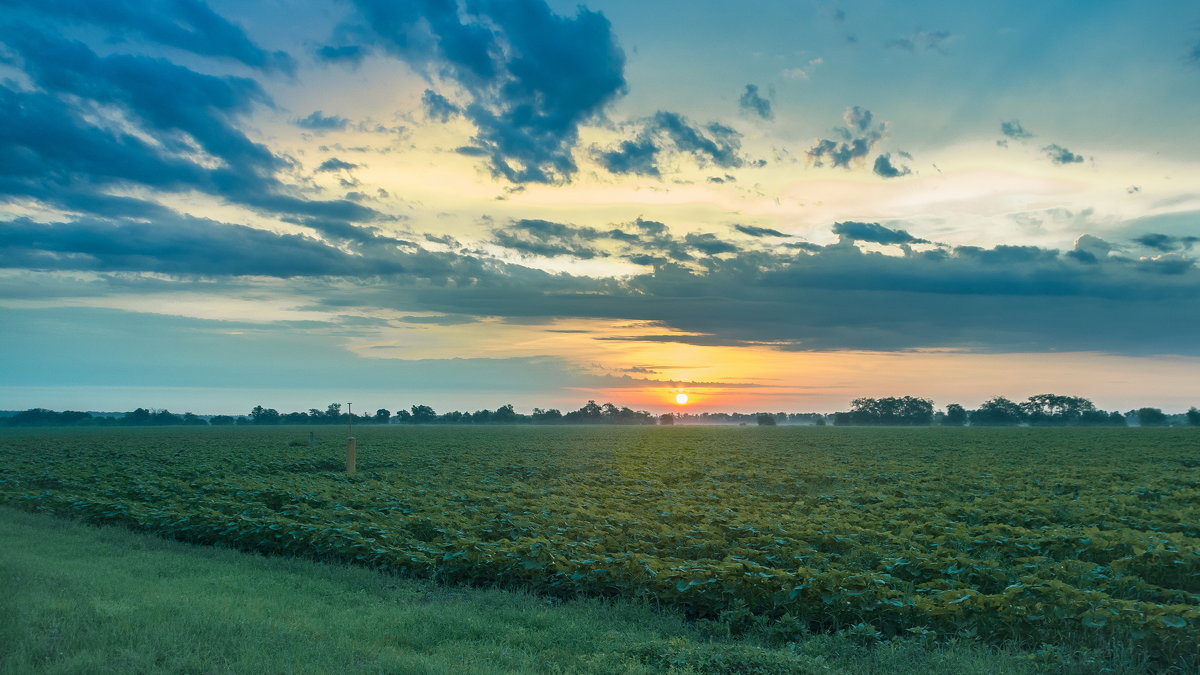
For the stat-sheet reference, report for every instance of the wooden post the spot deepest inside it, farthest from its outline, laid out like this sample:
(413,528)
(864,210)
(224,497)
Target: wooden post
(312,439)
(351,447)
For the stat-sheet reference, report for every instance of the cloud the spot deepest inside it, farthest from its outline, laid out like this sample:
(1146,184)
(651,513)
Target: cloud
(714,143)
(550,239)
(1061,155)
(1090,249)
(184,246)
(884,167)
(319,121)
(335,164)
(1168,263)
(438,107)
(805,71)
(533,77)
(699,288)
(758,231)
(631,157)
(189,25)
(351,54)
(874,233)
(1006,298)
(1013,129)
(1167,243)
(751,102)
(925,41)
(860,135)
(94,124)
(709,244)
(710,144)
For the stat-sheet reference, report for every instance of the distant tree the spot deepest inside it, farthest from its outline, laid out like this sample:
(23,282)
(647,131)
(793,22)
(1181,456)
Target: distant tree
(333,413)
(1151,417)
(591,413)
(191,419)
(997,412)
(382,416)
(1056,410)
(166,418)
(139,417)
(403,416)
(905,411)
(551,416)
(956,415)
(221,420)
(1116,419)
(504,415)
(423,414)
(1192,416)
(667,419)
(765,419)
(261,415)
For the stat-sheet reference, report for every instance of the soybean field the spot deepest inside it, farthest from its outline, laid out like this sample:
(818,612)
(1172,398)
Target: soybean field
(1027,536)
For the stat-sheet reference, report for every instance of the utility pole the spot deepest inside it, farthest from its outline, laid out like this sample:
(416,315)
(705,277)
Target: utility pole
(351,450)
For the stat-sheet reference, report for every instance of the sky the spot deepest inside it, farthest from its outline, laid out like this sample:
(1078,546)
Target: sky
(772,205)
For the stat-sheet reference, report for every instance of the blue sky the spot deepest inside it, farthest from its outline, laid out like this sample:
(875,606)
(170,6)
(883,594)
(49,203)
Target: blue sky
(768,205)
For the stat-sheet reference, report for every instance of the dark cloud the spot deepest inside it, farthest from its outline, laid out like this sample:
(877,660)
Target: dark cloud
(441,320)
(1001,299)
(751,102)
(758,231)
(351,54)
(1061,155)
(709,244)
(874,233)
(713,143)
(636,157)
(1013,129)
(438,107)
(1169,263)
(94,124)
(533,76)
(546,238)
(185,246)
(791,297)
(858,138)
(1006,255)
(1167,243)
(189,25)
(335,164)
(319,121)
(884,167)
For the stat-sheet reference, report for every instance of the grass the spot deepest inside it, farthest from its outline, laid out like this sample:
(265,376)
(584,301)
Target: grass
(85,599)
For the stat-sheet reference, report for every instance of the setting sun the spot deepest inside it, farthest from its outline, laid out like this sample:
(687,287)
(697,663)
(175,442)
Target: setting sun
(681,398)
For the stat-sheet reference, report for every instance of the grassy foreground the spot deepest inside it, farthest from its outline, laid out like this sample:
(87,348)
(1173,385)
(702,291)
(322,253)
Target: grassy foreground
(85,599)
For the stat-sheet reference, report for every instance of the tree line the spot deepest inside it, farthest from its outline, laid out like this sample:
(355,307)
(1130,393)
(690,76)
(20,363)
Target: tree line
(591,413)
(1039,410)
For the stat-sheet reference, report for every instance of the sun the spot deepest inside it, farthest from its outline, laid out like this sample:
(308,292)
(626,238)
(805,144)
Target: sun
(681,398)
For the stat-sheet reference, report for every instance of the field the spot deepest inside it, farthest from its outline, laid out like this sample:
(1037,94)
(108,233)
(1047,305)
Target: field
(1076,537)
